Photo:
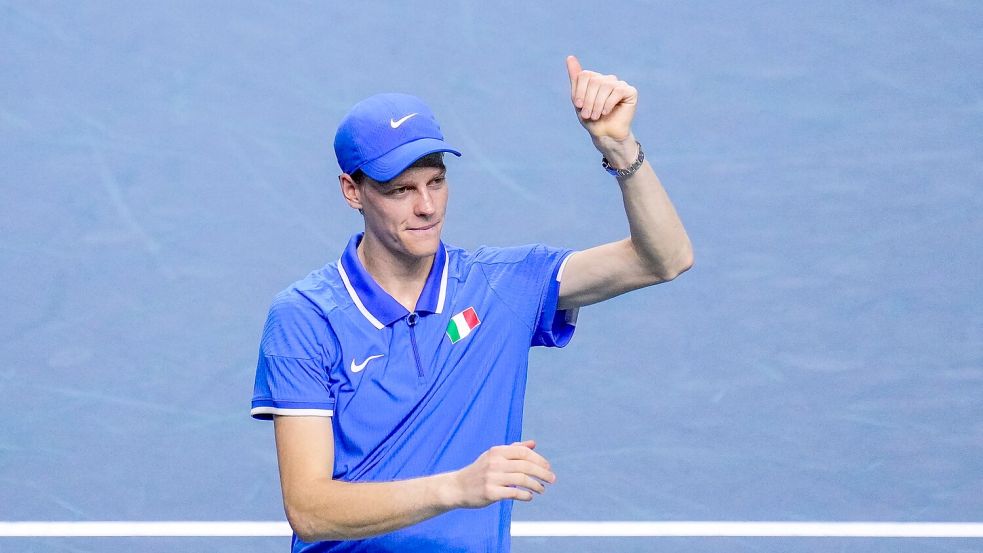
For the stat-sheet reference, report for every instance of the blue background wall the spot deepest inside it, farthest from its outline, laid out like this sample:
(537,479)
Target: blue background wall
(167,168)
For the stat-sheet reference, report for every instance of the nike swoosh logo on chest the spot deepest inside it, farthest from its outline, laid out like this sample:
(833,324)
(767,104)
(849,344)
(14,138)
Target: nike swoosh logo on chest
(357,367)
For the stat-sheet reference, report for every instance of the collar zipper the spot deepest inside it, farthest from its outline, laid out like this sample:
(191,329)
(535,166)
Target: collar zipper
(411,321)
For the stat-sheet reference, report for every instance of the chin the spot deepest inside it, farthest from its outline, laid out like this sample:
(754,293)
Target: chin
(423,245)
(423,249)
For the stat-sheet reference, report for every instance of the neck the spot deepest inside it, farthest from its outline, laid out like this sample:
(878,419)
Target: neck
(401,277)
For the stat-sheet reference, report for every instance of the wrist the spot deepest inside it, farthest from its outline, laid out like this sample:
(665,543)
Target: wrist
(625,171)
(620,153)
(447,490)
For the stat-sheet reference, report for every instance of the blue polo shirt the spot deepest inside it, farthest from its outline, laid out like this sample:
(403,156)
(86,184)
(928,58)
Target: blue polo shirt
(408,395)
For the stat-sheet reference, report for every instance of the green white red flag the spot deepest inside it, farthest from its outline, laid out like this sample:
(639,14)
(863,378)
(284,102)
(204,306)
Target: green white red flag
(462,324)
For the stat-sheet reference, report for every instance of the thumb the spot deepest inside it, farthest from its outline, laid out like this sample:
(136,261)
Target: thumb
(531,444)
(573,68)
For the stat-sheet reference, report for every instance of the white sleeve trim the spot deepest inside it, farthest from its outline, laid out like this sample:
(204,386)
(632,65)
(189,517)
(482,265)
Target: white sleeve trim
(569,315)
(292,412)
(563,265)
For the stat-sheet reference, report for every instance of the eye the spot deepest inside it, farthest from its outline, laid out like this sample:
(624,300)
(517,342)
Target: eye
(437,182)
(398,191)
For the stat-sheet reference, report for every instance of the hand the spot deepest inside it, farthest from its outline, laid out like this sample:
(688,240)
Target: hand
(503,472)
(605,105)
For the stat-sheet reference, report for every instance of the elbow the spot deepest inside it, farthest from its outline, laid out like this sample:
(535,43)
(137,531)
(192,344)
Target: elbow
(310,528)
(303,525)
(681,263)
(313,514)
(313,527)
(306,536)
(685,264)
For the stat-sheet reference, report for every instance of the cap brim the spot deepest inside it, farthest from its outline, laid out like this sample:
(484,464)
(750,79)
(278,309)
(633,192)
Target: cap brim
(388,166)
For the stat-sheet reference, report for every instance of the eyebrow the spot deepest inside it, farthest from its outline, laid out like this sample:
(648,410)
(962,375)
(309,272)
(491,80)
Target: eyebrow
(399,184)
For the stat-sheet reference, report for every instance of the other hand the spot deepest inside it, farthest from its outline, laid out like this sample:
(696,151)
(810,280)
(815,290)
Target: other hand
(503,472)
(605,106)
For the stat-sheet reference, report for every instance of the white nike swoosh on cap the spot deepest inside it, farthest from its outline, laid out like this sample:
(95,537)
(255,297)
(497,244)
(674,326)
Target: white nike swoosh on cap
(357,367)
(395,124)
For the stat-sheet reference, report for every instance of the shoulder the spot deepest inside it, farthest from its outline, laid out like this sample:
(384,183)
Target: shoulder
(320,292)
(493,255)
(486,259)
(300,313)
(531,262)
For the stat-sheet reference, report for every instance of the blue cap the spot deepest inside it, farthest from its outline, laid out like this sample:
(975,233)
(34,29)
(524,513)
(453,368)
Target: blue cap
(384,134)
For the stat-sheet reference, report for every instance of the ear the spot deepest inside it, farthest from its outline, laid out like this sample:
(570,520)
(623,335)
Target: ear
(350,190)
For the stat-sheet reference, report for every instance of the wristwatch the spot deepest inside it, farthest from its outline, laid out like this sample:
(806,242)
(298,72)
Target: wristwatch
(628,171)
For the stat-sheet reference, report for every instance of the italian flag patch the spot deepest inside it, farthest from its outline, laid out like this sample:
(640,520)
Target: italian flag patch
(462,324)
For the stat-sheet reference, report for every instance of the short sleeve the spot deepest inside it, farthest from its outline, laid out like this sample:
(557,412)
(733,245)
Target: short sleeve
(554,327)
(295,354)
(528,278)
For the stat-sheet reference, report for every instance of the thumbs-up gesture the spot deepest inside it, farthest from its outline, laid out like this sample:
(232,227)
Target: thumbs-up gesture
(604,104)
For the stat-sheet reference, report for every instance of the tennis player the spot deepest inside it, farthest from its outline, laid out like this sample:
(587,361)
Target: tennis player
(395,376)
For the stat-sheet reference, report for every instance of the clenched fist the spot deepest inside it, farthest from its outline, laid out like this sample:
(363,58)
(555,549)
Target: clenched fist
(605,105)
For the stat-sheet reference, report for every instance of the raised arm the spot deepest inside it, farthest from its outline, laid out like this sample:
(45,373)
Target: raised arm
(658,248)
(320,508)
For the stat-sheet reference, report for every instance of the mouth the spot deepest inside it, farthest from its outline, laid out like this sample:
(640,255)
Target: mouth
(426,228)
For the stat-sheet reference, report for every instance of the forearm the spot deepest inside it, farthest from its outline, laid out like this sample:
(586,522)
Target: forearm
(337,510)
(657,234)
(320,508)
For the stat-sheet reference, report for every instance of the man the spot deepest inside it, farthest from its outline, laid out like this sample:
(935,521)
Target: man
(396,376)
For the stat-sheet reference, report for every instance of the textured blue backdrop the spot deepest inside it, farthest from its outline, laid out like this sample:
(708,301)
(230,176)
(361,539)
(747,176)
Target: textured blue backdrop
(167,167)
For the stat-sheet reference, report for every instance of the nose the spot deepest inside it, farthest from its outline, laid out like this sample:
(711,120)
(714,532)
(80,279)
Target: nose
(424,205)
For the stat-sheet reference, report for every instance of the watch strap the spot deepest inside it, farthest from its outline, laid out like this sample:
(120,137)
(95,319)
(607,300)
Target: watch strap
(628,171)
